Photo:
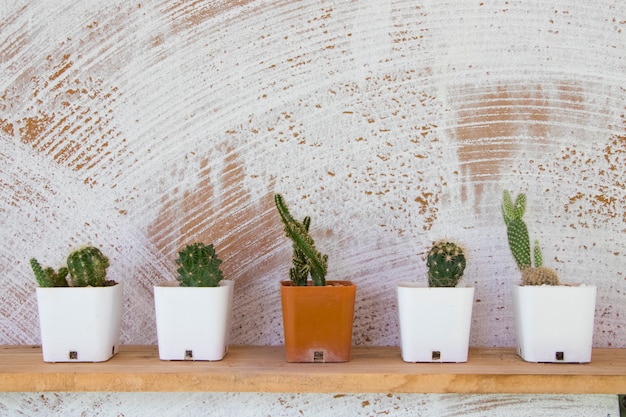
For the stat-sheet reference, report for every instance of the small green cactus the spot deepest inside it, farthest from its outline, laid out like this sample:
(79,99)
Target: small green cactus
(517,231)
(306,259)
(47,277)
(87,267)
(446,263)
(199,266)
(519,243)
(539,276)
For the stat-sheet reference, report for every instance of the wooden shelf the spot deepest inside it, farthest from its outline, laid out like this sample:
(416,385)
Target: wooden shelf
(263,369)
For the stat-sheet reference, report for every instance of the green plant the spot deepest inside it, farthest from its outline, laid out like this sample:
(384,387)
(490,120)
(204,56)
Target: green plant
(446,263)
(199,266)
(519,243)
(306,259)
(48,277)
(86,267)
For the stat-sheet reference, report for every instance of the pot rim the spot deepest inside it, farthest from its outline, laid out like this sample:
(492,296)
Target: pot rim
(425,286)
(176,284)
(329,284)
(88,288)
(564,287)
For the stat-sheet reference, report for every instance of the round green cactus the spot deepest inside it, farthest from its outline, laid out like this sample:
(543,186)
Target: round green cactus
(446,264)
(539,276)
(199,266)
(87,267)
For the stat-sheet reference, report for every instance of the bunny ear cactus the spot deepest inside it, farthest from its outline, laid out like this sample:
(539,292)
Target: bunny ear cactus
(519,243)
(87,267)
(199,266)
(306,259)
(517,231)
(47,277)
(446,264)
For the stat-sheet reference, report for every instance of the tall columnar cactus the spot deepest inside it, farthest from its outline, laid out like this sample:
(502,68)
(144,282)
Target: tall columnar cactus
(199,266)
(519,243)
(446,263)
(87,267)
(47,277)
(306,259)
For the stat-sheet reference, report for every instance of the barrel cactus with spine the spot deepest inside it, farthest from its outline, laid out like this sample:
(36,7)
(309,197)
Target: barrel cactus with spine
(307,260)
(519,243)
(87,268)
(446,264)
(199,266)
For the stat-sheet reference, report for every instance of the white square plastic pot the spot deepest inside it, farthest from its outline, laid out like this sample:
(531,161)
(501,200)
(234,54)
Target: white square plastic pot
(554,323)
(193,323)
(80,324)
(434,322)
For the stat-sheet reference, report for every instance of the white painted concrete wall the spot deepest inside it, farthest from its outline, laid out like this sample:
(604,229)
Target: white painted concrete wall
(278,405)
(140,127)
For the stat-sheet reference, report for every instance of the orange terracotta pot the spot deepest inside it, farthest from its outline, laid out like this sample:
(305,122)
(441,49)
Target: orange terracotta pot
(318,321)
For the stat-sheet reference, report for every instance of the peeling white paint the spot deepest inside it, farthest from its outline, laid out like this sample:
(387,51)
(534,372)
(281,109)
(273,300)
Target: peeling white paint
(141,127)
(275,405)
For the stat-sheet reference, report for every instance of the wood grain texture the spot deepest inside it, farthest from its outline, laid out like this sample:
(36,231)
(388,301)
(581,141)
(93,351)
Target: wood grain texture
(264,369)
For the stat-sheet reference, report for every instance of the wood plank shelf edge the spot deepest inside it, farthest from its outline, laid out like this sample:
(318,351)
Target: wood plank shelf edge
(264,369)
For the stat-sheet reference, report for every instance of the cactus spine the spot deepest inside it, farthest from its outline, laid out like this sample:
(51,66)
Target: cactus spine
(519,243)
(446,263)
(87,267)
(47,277)
(517,231)
(306,259)
(199,266)
(540,275)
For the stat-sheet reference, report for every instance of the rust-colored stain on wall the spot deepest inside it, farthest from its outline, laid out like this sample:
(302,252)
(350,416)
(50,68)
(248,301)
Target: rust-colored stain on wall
(68,119)
(209,215)
(605,198)
(494,124)
(186,15)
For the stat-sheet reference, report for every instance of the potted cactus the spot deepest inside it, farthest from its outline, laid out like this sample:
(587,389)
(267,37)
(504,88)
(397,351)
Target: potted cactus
(193,313)
(435,319)
(554,321)
(79,316)
(317,314)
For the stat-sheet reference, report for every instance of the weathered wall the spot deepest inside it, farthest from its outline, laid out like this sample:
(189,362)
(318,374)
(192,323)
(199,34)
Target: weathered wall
(276,405)
(140,127)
